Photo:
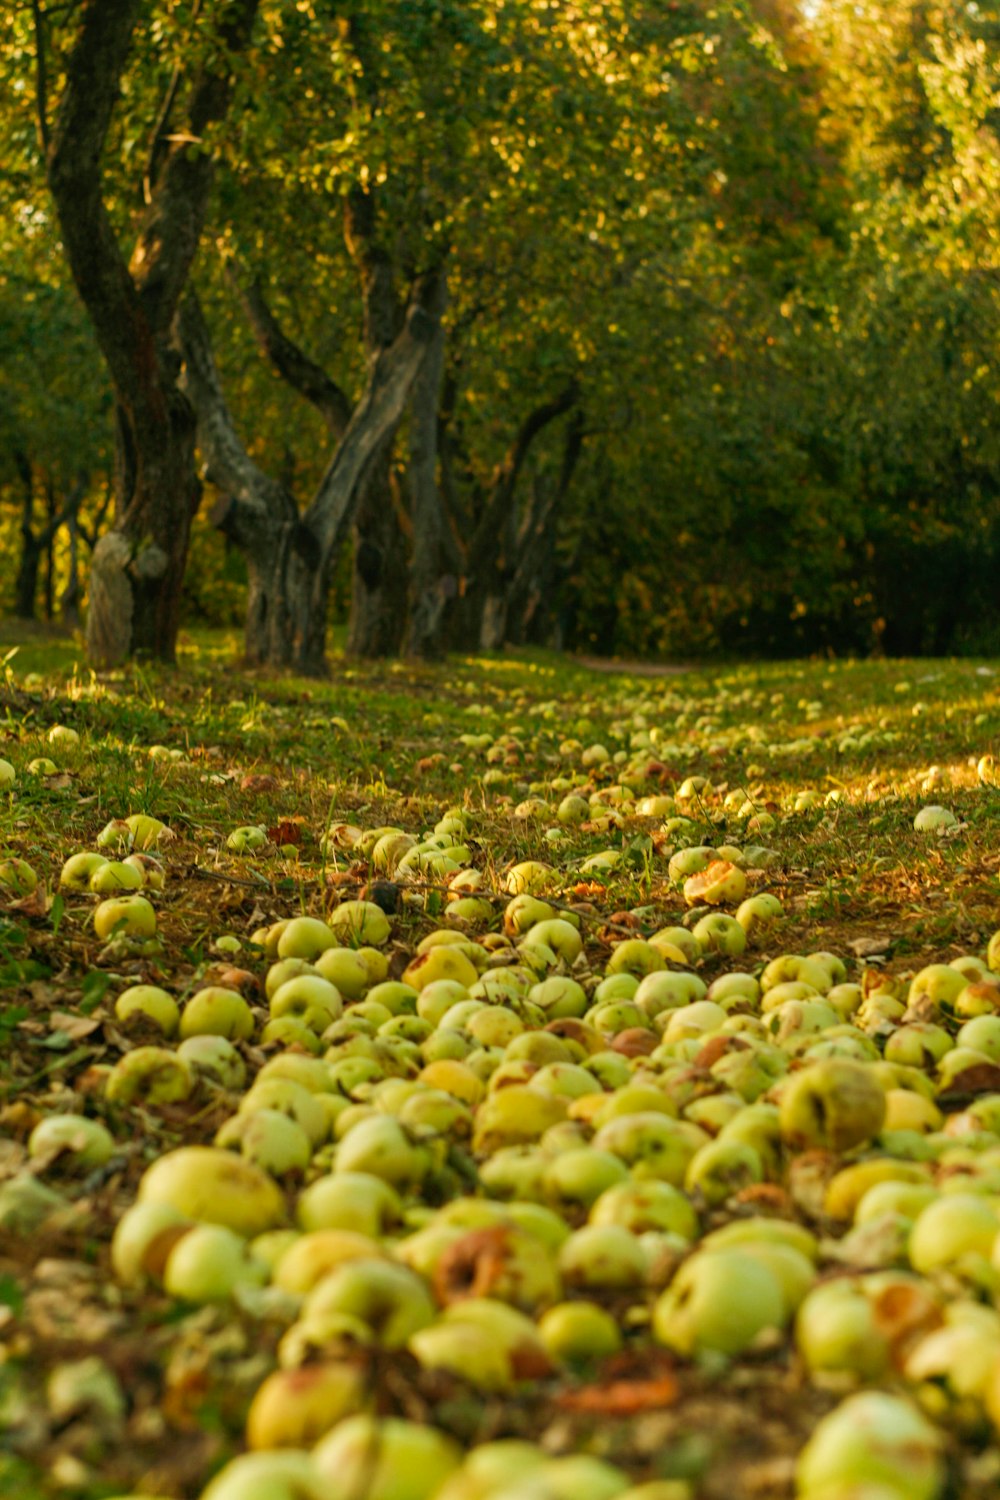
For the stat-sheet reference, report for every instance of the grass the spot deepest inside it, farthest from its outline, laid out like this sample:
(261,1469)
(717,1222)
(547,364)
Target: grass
(834,759)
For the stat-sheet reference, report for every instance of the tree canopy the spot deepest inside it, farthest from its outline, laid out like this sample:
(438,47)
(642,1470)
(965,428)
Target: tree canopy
(710,295)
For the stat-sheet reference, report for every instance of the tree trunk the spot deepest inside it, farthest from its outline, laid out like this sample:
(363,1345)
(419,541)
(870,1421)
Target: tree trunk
(378,586)
(534,583)
(291,557)
(434,563)
(492,553)
(48,545)
(138,567)
(69,599)
(26,583)
(286,606)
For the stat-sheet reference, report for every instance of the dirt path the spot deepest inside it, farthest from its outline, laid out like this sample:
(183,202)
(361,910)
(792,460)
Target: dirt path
(632,668)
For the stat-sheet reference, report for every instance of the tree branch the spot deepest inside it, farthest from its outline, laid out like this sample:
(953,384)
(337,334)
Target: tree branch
(230,466)
(374,264)
(74,171)
(69,510)
(498,518)
(390,380)
(292,363)
(169,236)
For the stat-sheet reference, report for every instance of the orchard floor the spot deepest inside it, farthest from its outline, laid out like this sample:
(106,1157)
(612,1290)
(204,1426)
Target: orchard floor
(112,1390)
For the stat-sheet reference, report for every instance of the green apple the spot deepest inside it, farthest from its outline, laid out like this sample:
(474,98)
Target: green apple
(579,1177)
(312,1256)
(292,1098)
(835,1104)
(386,1458)
(579,1332)
(209,1263)
(938,984)
(444,962)
(150,1075)
(294,1408)
(668,991)
(873,1438)
(305,937)
(934,819)
(721,1169)
(502,1261)
(152,872)
(309,998)
(652,1145)
(78,869)
(721,883)
(346,970)
(993,952)
(576,1477)
(268,1138)
(635,956)
(486,1342)
(77,1142)
(217,1011)
(489,1466)
(644,1206)
(529,877)
(142,1237)
(147,832)
(602,1257)
(957,1230)
(717,933)
(349,1200)
(115,835)
(285,1474)
(247,840)
(758,912)
(214,1186)
(215,1059)
(390,1299)
(62,734)
(358,922)
(559,935)
(17,877)
(690,861)
(720,1300)
(514,1114)
(113,876)
(381,1148)
(130,916)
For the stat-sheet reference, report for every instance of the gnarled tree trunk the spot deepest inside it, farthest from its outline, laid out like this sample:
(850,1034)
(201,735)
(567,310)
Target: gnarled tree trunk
(378,588)
(493,551)
(138,566)
(291,555)
(434,563)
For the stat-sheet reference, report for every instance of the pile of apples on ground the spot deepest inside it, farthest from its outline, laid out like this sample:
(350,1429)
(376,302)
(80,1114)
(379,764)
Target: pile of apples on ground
(512,1161)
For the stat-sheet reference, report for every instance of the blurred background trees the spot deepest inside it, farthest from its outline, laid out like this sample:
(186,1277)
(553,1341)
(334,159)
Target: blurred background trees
(709,364)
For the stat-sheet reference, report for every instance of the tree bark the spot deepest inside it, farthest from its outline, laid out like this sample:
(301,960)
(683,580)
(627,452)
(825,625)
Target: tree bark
(138,567)
(434,563)
(69,599)
(36,545)
(492,554)
(534,583)
(26,583)
(378,591)
(290,556)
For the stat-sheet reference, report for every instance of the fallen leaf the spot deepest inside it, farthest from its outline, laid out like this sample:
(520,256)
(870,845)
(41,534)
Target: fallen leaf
(622,1398)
